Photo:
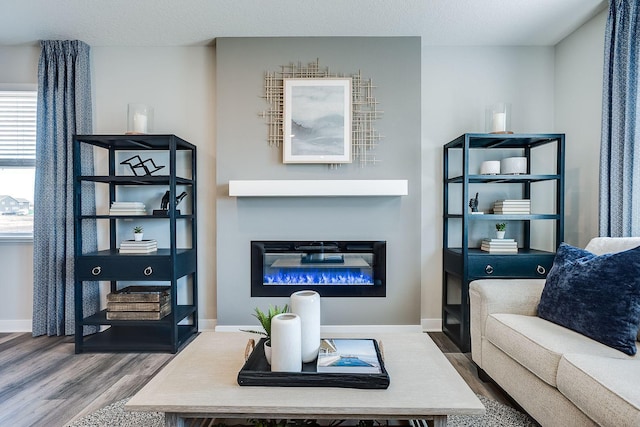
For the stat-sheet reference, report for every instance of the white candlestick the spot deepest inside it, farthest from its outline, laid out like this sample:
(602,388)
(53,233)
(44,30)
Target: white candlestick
(499,122)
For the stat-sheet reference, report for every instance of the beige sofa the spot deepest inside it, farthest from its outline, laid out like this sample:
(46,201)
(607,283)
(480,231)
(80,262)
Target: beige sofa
(560,377)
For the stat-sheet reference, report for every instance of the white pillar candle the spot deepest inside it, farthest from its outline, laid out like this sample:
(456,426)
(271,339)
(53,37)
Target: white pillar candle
(306,304)
(139,123)
(499,122)
(286,346)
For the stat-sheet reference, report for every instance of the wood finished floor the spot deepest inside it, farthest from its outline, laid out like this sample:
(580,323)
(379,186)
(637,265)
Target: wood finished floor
(44,383)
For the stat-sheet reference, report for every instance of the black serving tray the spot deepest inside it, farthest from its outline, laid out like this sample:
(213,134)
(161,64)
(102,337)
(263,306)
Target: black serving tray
(257,372)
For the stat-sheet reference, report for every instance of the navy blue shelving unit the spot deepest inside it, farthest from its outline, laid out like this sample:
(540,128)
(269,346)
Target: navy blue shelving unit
(168,265)
(463,260)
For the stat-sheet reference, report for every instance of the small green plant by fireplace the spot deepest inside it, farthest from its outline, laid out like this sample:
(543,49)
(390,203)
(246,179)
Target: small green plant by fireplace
(137,229)
(265,319)
(501,226)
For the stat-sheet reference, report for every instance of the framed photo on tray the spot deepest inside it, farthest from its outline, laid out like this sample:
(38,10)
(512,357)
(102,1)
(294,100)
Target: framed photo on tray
(317,120)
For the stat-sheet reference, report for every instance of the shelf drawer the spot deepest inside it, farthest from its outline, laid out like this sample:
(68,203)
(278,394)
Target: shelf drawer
(123,268)
(503,266)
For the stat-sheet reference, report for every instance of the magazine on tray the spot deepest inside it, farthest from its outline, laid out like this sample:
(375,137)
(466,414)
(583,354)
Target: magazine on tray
(348,355)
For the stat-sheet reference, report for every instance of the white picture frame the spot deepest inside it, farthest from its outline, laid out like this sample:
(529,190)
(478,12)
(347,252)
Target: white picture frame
(317,120)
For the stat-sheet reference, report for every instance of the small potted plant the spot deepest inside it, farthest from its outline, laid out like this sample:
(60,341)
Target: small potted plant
(265,322)
(137,233)
(500,230)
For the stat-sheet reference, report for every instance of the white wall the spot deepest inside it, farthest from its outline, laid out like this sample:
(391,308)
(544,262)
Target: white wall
(579,61)
(179,83)
(458,83)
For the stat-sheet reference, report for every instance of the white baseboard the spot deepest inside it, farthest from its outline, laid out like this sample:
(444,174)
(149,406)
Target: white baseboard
(431,325)
(336,329)
(206,325)
(23,325)
(426,325)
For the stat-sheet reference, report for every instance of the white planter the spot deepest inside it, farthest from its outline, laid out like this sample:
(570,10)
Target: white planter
(267,351)
(500,234)
(137,236)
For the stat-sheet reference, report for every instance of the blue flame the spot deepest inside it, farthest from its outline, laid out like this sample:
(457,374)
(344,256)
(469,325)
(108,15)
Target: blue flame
(319,277)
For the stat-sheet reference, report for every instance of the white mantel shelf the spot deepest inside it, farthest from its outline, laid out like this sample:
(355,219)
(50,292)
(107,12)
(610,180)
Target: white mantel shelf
(318,188)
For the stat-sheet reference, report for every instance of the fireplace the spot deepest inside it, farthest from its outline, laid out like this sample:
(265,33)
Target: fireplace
(331,268)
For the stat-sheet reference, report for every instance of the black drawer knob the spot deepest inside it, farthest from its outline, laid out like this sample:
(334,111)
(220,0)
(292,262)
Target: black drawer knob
(148,271)
(488,269)
(96,270)
(540,269)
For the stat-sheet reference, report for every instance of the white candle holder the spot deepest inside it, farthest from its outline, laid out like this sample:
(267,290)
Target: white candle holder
(498,118)
(139,119)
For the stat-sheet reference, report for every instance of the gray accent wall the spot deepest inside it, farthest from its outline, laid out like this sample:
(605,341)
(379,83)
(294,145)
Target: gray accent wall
(242,152)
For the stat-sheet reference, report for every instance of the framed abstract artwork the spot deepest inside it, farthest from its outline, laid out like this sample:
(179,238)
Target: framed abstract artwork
(317,120)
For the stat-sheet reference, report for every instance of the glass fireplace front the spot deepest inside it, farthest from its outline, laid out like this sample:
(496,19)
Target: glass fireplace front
(333,269)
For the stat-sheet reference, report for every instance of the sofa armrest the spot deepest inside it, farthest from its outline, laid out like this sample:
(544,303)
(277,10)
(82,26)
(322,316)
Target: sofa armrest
(487,296)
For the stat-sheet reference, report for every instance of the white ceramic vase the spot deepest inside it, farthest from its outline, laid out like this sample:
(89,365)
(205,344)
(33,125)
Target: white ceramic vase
(306,304)
(138,237)
(286,346)
(500,234)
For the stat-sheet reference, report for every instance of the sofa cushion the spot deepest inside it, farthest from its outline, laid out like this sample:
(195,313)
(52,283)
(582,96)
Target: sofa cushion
(538,345)
(607,245)
(596,295)
(606,389)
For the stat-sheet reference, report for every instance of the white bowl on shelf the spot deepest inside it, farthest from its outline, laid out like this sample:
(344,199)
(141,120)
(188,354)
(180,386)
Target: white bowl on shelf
(490,167)
(513,165)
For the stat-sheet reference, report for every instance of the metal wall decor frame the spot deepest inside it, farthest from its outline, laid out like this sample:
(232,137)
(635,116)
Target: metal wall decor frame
(364,136)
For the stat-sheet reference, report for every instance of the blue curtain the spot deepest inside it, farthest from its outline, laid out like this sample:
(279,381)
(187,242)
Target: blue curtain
(64,109)
(620,145)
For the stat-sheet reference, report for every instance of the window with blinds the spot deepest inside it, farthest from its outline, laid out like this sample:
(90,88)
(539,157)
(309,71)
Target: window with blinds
(17,163)
(18,128)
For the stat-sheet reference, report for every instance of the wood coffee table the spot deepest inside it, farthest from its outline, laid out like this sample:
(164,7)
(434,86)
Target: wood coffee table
(201,381)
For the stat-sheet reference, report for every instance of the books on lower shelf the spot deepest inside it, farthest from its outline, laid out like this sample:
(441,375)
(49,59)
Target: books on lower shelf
(348,355)
(512,206)
(127,208)
(139,303)
(499,246)
(138,246)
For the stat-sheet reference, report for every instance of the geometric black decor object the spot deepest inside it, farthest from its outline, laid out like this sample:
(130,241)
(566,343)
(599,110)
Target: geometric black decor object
(141,165)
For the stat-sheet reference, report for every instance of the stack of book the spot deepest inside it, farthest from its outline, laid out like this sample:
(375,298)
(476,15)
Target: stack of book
(500,246)
(512,207)
(127,208)
(138,246)
(139,303)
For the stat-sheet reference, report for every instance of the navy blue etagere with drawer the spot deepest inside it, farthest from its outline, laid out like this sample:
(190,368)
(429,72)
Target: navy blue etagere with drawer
(171,265)
(537,233)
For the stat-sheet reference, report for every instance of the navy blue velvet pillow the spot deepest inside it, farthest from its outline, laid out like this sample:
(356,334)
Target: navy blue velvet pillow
(598,296)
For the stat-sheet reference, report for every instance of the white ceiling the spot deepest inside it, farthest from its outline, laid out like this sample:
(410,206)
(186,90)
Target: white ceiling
(198,22)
